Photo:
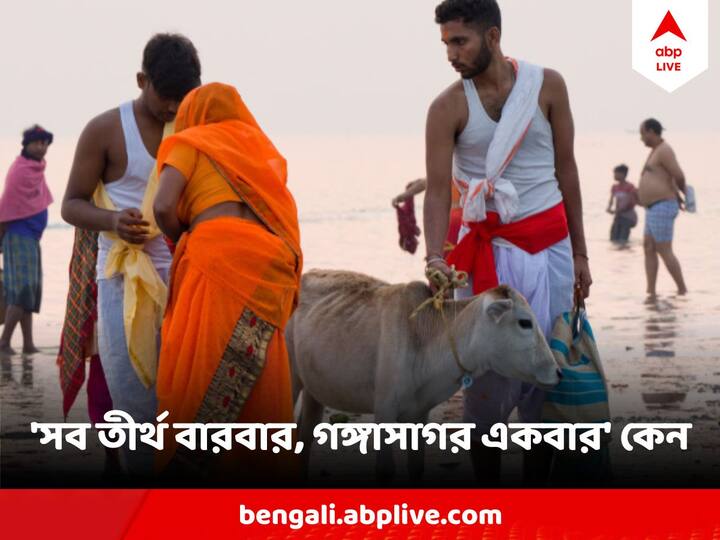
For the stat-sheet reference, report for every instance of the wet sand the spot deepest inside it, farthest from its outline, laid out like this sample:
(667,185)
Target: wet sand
(662,359)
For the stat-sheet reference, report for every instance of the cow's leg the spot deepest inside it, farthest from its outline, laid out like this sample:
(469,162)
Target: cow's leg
(297,388)
(294,377)
(416,458)
(310,416)
(392,380)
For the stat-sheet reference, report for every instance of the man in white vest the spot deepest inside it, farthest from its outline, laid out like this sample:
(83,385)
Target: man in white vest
(503,134)
(110,190)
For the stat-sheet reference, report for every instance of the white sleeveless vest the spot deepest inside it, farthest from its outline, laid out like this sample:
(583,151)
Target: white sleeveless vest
(531,171)
(128,192)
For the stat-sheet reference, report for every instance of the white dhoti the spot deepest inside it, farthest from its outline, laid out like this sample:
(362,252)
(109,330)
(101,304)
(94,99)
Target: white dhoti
(546,280)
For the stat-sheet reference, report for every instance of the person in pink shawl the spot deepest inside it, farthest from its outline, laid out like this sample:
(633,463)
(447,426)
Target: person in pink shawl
(23,219)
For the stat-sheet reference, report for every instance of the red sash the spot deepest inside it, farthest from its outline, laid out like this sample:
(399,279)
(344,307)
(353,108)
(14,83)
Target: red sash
(474,253)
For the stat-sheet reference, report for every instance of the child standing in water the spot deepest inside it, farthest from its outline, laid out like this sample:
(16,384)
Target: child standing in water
(624,195)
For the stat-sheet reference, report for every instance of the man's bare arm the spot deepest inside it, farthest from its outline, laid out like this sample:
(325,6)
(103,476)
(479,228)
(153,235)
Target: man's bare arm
(412,189)
(669,161)
(85,174)
(87,169)
(567,173)
(439,145)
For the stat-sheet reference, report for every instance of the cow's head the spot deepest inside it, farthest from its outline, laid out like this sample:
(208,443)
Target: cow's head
(506,333)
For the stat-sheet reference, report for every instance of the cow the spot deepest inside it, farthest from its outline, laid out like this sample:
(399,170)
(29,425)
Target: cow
(354,347)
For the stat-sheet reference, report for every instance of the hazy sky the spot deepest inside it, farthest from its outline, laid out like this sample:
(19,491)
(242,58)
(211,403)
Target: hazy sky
(326,66)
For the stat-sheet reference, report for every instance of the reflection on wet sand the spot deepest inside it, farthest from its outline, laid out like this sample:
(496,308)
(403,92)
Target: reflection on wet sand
(9,373)
(660,329)
(5,371)
(661,359)
(20,396)
(664,384)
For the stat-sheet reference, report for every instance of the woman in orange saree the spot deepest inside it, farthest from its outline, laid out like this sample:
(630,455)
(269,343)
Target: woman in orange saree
(234,283)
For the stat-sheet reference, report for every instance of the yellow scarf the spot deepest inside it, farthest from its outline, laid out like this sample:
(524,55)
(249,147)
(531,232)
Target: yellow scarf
(145,292)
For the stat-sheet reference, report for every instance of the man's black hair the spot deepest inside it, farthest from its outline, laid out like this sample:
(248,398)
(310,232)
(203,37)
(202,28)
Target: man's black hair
(621,169)
(171,63)
(482,13)
(653,125)
(36,133)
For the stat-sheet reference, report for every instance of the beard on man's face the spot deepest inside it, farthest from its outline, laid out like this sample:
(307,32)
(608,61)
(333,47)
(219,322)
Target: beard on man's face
(481,63)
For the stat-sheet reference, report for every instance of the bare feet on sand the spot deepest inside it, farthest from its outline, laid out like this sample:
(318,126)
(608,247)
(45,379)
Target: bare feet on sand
(31,349)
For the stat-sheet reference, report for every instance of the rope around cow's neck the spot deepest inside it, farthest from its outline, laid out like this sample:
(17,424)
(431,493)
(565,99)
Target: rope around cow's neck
(443,284)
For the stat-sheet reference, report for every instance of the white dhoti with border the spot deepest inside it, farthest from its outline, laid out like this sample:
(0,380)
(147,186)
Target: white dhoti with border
(546,279)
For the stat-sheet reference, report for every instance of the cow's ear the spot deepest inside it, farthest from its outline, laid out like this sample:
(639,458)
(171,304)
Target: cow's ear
(497,309)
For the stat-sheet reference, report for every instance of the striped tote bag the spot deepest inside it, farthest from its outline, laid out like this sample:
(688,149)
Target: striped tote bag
(581,397)
(582,394)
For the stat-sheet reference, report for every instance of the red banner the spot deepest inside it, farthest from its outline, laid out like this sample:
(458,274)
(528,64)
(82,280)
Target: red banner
(329,514)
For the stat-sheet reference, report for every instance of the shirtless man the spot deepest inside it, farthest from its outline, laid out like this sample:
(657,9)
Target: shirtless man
(461,124)
(118,148)
(660,182)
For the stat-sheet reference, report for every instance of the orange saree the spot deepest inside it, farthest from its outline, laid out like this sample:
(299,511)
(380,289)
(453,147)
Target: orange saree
(233,287)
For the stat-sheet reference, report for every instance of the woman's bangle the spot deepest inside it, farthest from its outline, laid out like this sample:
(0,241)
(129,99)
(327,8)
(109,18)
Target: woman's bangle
(582,255)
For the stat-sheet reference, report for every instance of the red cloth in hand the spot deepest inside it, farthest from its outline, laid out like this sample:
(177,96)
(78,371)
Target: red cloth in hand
(407,225)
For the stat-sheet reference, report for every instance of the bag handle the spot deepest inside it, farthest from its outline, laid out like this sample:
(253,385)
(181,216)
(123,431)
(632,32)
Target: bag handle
(578,307)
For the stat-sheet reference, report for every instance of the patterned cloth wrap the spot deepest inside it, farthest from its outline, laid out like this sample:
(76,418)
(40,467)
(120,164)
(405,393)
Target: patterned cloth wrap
(660,220)
(22,276)
(582,393)
(78,331)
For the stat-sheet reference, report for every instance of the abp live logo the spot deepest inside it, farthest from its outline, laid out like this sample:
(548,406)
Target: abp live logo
(670,40)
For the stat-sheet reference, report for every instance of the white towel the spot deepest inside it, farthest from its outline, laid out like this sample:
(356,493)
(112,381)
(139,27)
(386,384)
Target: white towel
(517,115)
(690,201)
